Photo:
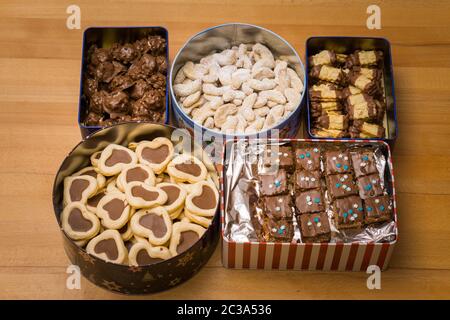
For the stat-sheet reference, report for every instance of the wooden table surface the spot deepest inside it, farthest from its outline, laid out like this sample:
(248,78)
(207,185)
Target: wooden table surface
(39,86)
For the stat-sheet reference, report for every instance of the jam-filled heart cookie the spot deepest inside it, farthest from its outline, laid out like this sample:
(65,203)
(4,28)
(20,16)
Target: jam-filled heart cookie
(108,246)
(93,201)
(142,253)
(79,189)
(186,168)
(78,222)
(136,172)
(184,236)
(203,221)
(156,153)
(175,196)
(114,158)
(203,199)
(91,171)
(140,195)
(154,224)
(114,210)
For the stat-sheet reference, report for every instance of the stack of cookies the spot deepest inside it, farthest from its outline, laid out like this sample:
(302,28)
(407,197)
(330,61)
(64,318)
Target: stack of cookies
(139,205)
(346,94)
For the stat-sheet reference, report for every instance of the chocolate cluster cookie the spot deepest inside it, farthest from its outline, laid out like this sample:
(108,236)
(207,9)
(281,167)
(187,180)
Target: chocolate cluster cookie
(139,204)
(126,82)
(346,94)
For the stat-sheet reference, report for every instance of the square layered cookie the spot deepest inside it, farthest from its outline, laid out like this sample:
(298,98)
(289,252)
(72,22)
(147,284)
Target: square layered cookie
(282,156)
(307,159)
(364,162)
(309,201)
(349,212)
(341,185)
(278,207)
(278,230)
(273,184)
(307,179)
(314,227)
(370,186)
(337,162)
(378,209)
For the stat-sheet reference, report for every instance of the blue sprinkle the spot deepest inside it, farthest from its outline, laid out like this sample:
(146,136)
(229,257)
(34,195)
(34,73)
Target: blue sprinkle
(345,214)
(308,155)
(350,211)
(301,156)
(346,167)
(382,208)
(316,219)
(317,200)
(360,209)
(338,185)
(369,208)
(277,183)
(280,231)
(368,187)
(338,165)
(365,158)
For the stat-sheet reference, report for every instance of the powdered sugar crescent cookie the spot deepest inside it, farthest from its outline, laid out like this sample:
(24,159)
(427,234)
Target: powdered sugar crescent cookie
(114,210)
(78,222)
(142,254)
(135,172)
(108,246)
(175,196)
(79,189)
(156,153)
(91,171)
(203,221)
(203,199)
(186,168)
(114,158)
(92,202)
(94,158)
(154,224)
(140,195)
(184,236)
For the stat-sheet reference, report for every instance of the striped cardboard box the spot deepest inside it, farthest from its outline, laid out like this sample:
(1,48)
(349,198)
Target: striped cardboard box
(307,256)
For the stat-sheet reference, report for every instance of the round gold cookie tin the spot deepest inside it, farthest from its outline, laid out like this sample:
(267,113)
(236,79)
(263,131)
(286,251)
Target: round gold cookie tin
(123,278)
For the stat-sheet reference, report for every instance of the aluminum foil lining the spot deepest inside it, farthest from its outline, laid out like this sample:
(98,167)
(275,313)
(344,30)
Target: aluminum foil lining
(243,161)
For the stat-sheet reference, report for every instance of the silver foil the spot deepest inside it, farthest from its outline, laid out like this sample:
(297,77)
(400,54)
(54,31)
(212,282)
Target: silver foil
(241,190)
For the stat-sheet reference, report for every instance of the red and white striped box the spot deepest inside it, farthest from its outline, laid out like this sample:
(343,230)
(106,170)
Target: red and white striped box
(307,256)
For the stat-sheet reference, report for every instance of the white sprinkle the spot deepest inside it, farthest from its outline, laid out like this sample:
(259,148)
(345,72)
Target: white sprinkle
(355,215)
(344,186)
(319,224)
(348,189)
(283,227)
(307,178)
(285,155)
(308,198)
(390,207)
(355,206)
(340,156)
(377,200)
(316,150)
(345,158)
(342,179)
(280,200)
(270,185)
(363,164)
(334,158)
(313,179)
(278,160)
(309,162)
(374,181)
(309,223)
(302,179)
(345,176)
(277,208)
(352,218)
(309,203)
(274,230)
(280,153)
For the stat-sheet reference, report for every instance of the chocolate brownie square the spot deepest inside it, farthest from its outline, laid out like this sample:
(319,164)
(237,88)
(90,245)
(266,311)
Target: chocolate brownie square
(364,163)
(349,212)
(337,161)
(341,185)
(309,201)
(278,230)
(308,159)
(314,227)
(370,186)
(282,156)
(278,207)
(272,184)
(378,209)
(307,180)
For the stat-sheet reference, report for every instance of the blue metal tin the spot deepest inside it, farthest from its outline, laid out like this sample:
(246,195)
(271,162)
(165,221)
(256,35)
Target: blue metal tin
(223,37)
(104,37)
(346,45)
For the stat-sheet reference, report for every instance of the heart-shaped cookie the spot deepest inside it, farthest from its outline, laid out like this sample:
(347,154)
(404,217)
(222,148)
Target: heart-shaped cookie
(114,210)
(175,196)
(184,236)
(115,158)
(156,153)
(140,195)
(108,246)
(203,221)
(93,201)
(186,168)
(79,189)
(91,171)
(203,199)
(78,222)
(136,172)
(154,224)
(142,253)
